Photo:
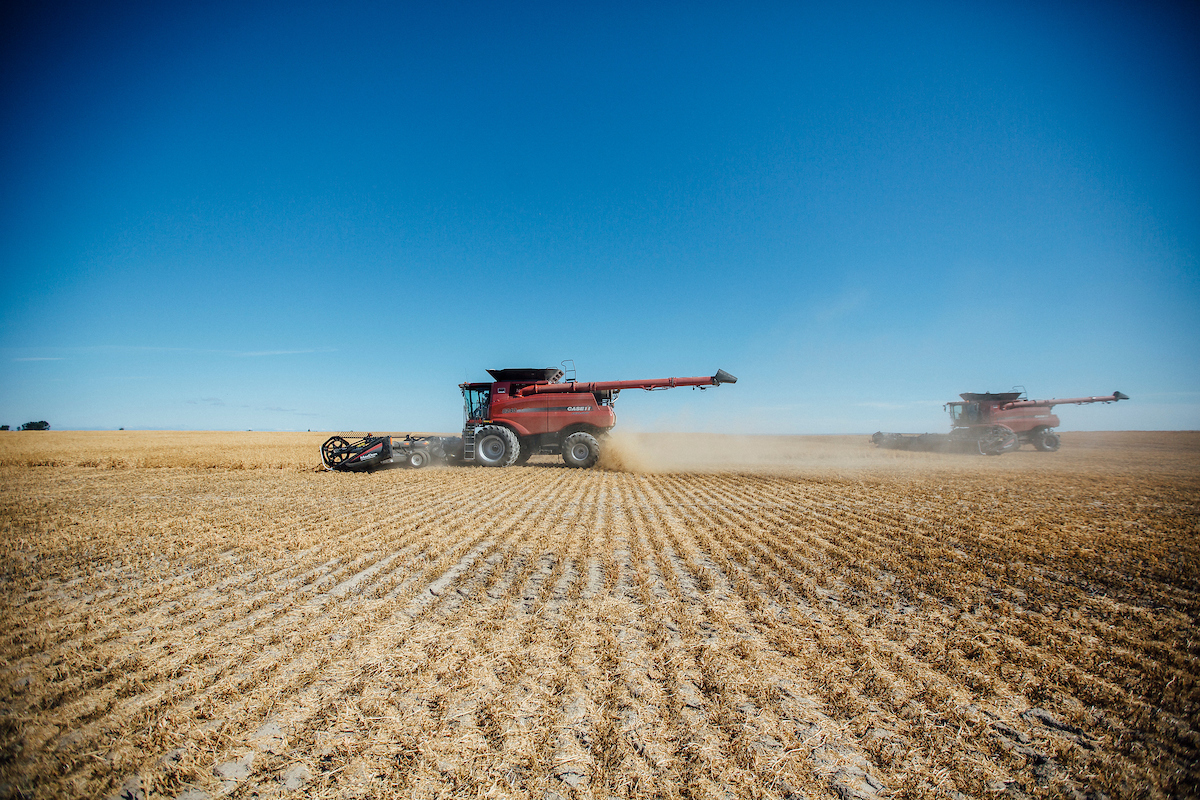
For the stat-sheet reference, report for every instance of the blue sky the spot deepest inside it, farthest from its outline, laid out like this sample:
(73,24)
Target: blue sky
(289,216)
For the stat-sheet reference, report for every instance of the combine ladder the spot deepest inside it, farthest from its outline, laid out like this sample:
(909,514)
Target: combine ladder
(469,444)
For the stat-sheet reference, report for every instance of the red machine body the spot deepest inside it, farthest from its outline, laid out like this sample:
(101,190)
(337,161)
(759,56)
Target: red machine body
(993,423)
(1021,416)
(546,416)
(542,413)
(520,413)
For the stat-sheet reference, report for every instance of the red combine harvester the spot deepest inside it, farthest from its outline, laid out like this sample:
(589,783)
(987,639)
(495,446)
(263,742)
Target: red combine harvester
(992,424)
(520,413)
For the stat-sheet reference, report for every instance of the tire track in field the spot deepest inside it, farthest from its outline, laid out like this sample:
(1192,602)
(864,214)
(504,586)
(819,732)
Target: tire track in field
(569,646)
(700,754)
(468,712)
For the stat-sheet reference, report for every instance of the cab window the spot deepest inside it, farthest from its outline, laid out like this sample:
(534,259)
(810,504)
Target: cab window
(475,403)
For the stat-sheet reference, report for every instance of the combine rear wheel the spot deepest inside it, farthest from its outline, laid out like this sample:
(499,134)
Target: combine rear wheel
(496,446)
(334,451)
(580,450)
(1046,441)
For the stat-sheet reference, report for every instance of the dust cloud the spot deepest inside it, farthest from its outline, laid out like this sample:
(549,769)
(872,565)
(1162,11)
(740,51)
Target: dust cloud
(702,452)
(854,456)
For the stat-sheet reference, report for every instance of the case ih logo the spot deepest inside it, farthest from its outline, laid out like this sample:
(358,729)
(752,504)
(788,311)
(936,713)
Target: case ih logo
(579,408)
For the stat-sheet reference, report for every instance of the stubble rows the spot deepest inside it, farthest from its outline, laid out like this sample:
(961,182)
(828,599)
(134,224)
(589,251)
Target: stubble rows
(542,632)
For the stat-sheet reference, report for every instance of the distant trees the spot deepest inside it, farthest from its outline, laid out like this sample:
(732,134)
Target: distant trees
(35,426)
(3,427)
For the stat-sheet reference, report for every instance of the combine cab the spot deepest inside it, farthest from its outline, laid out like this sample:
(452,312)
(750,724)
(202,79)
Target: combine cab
(519,414)
(992,424)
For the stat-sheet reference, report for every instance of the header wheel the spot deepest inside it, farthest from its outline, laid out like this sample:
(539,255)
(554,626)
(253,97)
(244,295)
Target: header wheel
(334,451)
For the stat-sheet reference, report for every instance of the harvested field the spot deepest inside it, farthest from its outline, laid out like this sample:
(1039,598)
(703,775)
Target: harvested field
(806,617)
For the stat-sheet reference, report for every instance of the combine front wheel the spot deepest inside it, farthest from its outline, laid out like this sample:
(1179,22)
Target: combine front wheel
(496,446)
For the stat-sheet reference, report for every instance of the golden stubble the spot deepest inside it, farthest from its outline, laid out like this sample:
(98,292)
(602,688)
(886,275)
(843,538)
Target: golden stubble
(822,620)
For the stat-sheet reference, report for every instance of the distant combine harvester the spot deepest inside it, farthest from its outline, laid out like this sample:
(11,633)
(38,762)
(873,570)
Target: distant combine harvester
(992,424)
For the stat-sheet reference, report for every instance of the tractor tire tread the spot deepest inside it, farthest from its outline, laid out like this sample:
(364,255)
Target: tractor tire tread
(512,449)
